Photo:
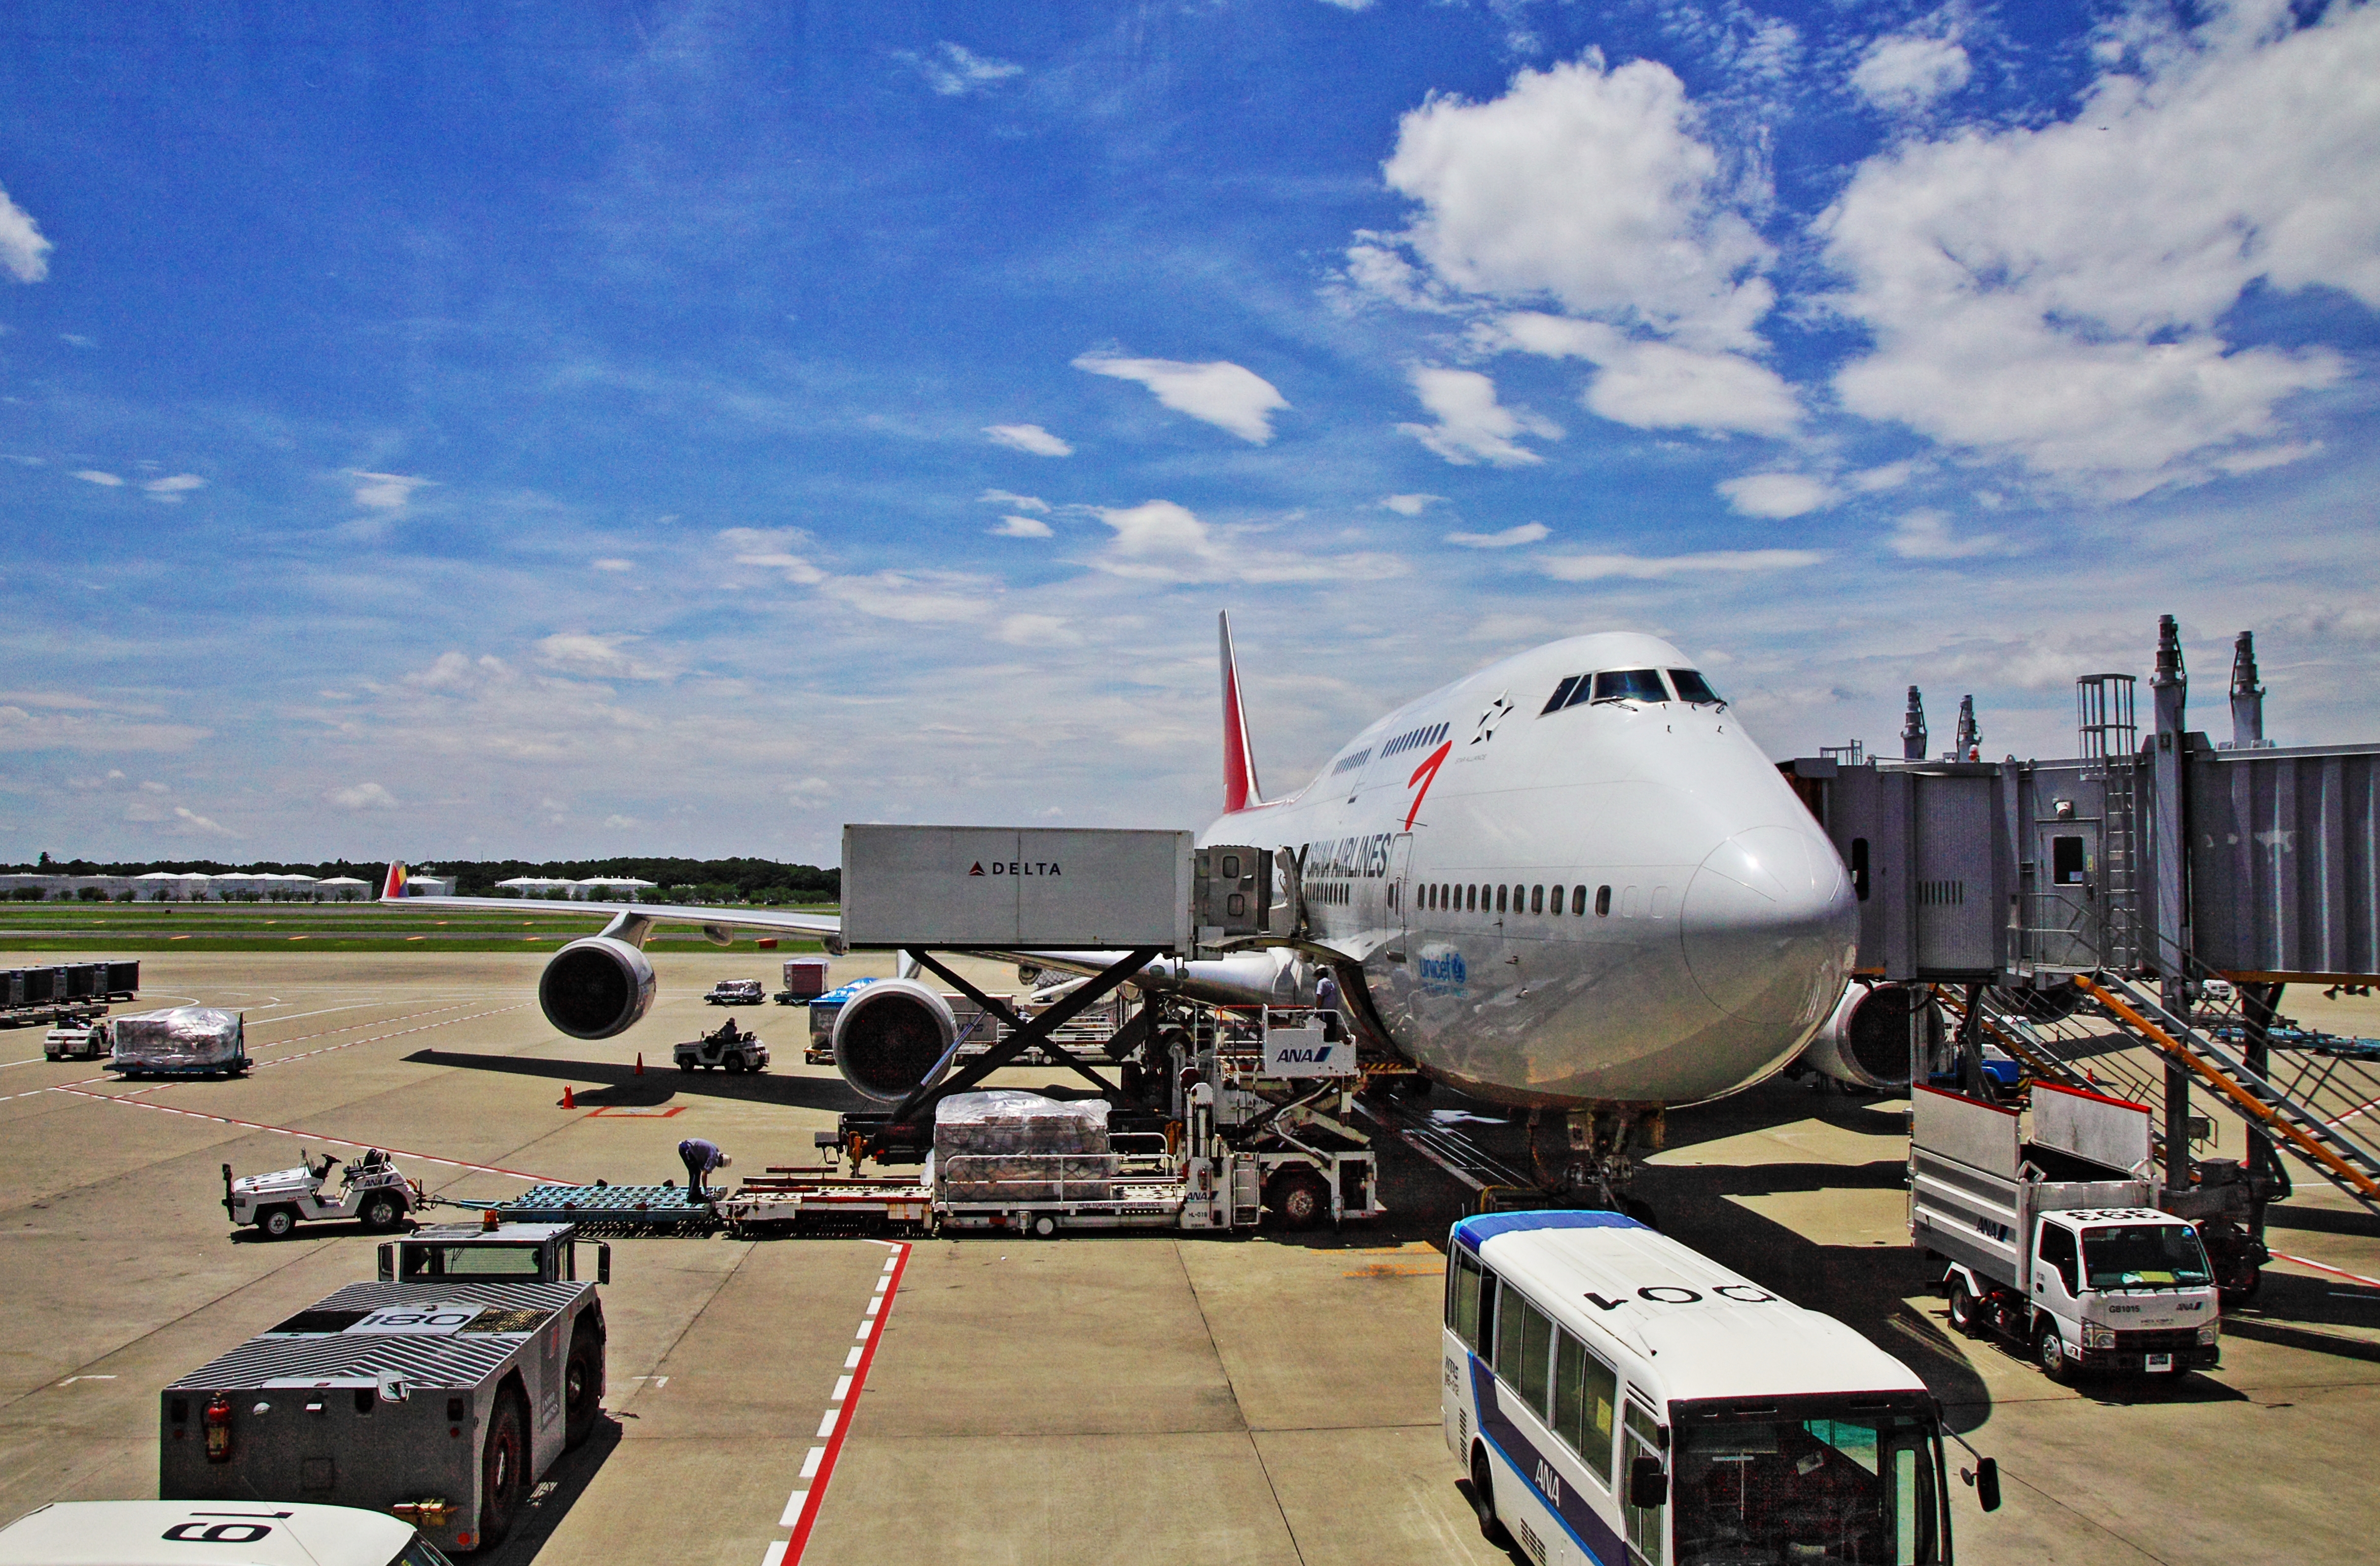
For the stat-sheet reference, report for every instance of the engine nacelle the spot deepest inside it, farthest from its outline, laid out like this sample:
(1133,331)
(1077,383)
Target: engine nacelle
(1865,1042)
(890,1039)
(596,987)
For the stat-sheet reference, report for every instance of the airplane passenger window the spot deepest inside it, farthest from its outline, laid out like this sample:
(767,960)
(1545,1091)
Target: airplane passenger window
(1629,684)
(1561,695)
(1578,900)
(1537,899)
(1499,898)
(1692,688)
(1471,899)
(1553,902)
(1602,902)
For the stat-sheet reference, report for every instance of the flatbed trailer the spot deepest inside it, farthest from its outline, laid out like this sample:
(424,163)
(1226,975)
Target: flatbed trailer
(602,1209)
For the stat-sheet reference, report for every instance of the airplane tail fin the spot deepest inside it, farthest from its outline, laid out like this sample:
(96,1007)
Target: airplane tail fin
(1241,789)
(393,887)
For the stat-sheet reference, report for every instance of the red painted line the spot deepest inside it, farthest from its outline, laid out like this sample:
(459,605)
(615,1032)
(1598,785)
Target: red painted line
(312,1136)
(2350,1277)
(842,1420)
(2351,1114)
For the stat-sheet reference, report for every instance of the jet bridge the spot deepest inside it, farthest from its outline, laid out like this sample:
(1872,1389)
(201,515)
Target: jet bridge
(2158,856)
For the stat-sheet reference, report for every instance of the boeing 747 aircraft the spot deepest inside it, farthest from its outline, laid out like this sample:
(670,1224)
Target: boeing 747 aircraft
(1567,881)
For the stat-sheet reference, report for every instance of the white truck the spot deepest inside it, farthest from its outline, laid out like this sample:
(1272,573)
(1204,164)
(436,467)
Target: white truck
(372,1191)
(439,1394)
(84,1040)
(2051,1240)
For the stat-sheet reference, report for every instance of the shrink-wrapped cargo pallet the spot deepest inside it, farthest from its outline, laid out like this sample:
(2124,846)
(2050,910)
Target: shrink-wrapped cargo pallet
(183,1039)
(1003,1145)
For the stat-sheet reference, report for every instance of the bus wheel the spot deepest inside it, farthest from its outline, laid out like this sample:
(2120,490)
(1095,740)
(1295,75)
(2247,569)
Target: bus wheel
(1482,1500)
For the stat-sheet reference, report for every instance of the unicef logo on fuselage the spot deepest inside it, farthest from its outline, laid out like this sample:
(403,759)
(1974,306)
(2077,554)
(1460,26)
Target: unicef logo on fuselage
(1442,972)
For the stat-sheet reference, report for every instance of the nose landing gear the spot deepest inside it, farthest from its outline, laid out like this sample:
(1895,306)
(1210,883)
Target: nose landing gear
(1598,1163)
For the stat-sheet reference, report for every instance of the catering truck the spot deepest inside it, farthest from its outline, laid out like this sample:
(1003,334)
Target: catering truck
(439,1393)
(2052,1240)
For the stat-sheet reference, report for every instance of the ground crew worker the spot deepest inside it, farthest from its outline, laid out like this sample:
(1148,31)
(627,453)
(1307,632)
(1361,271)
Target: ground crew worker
(701,1159)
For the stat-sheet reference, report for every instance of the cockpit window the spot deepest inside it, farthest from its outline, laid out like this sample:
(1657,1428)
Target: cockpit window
(1692,688)
(1561,695)
(1629,684)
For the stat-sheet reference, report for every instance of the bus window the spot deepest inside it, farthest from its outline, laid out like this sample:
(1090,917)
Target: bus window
(1583,1388)
(1536,1352)
(1509,1305)
(1644,1523)
(1462,1298)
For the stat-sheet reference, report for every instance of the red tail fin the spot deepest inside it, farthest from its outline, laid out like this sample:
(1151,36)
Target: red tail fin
(1240,786)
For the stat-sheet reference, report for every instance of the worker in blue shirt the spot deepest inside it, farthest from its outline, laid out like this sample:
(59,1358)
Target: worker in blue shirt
(701,1159)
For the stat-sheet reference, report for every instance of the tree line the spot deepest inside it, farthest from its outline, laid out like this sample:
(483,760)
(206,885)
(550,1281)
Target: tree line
(735,880)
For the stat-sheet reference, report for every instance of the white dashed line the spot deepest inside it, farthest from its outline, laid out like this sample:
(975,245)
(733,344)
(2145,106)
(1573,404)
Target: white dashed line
(842,1388)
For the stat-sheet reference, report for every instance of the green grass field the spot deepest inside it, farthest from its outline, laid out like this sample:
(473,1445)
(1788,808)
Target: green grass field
(333,927)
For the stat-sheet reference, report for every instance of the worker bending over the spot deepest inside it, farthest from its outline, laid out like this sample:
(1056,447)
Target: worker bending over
(701,1159)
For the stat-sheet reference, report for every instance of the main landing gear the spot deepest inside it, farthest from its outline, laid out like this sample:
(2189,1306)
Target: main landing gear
(1596,1160)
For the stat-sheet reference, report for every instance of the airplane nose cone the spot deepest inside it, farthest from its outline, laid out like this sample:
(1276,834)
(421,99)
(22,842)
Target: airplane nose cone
(1770,927)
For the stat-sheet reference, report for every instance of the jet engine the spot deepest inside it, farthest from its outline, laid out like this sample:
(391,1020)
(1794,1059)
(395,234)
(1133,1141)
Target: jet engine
(596,987)
(892,1039)
(1865,1042)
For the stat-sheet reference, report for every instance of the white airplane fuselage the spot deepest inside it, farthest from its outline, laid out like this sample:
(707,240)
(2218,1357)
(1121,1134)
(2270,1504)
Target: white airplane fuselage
(1705,925)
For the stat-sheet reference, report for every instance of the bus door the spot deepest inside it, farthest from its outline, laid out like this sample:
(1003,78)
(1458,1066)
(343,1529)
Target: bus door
(1647,1525)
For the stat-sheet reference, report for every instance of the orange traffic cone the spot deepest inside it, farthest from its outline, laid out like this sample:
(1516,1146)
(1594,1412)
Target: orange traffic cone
(640,1062)
(569,1099)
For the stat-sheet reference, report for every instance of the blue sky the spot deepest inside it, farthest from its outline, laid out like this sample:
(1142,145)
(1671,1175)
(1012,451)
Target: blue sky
(570,429)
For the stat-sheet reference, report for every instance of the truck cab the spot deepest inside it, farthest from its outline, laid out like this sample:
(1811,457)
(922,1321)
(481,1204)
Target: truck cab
(2122,1289)
(491,1253)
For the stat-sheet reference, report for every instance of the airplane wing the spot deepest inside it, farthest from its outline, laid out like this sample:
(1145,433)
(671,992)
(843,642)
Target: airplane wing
(393,892)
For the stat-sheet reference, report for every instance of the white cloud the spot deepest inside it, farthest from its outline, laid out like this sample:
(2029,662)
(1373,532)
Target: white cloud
(2057,295)
(620,823)
(1724,562)
(595,656)
(1904,72)
(171,490)
(1013,500)
(808,793)
(93,476)
(363,797)
(1160,542)
(1775,495)
(1891,476)
(916,597)
(76,340)
(1021,527)
(1409,505)
(1030,438)
(954,70)
(23,250)
(201,825)
(766,550)
(384,492)
(1350,4)
(1526,533)
(1589,187)
(1471,425)
(152,786)
(1656,385)
(1926,535)
(1039,630)
(1223,394)
(613,563)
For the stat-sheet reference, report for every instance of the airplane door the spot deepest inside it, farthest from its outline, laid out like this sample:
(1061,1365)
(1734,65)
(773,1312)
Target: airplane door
(1400,870)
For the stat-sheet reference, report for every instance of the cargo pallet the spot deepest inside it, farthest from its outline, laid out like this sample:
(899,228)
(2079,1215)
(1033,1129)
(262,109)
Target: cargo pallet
(603,1209)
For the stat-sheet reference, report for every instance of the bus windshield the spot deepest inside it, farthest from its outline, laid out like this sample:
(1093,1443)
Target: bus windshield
(1811,1484)
(2144,1256)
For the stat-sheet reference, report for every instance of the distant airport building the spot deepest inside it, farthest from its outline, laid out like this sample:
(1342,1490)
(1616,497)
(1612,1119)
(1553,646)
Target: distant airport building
(597,888)
(191,886)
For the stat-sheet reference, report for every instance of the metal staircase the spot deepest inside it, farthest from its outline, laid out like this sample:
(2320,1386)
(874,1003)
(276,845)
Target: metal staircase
(2288,1105)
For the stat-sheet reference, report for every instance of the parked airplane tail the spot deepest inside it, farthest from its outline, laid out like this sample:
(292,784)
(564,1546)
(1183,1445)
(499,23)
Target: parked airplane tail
(1241,789)
(394,886)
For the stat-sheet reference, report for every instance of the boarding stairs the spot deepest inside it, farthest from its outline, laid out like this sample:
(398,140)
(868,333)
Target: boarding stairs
(2320,1107)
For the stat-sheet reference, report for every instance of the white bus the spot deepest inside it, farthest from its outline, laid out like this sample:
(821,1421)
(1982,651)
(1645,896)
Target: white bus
(1619,1400)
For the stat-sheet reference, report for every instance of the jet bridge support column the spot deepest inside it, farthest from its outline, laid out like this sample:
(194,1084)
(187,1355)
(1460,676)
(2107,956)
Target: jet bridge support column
(2168,950)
